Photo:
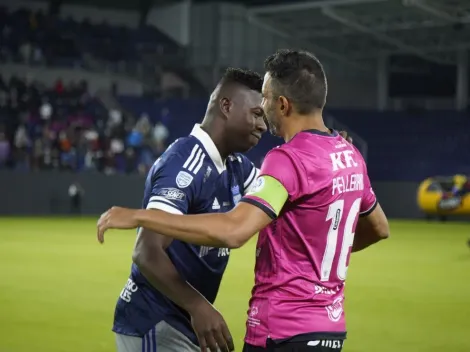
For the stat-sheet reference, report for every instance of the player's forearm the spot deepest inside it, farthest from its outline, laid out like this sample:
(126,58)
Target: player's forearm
(364,239)
(162,275)
(215,230)
(362,242)
(371,229)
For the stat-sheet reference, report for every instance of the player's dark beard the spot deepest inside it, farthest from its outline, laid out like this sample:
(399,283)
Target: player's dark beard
(272,121)
(273,126)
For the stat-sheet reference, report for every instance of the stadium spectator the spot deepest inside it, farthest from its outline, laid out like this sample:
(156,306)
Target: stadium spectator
(160,134)
(64,127)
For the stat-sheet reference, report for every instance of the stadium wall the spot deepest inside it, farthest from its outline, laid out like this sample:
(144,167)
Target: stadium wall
(46,193)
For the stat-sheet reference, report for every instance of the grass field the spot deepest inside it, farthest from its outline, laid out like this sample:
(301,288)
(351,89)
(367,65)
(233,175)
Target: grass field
(58,288)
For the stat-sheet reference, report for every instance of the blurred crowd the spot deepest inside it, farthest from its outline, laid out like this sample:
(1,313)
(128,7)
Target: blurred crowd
(65,128)
(35,37)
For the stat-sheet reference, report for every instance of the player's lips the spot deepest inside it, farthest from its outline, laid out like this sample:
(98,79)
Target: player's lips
(258,136)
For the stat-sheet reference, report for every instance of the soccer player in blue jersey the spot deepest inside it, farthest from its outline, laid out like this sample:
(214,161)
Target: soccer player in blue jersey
(167,303)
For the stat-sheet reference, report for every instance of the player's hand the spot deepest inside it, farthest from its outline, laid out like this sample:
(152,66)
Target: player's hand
(211,329)
(116,218)
(344,134)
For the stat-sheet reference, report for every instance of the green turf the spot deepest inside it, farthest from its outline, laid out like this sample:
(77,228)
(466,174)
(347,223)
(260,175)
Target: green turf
(58,288)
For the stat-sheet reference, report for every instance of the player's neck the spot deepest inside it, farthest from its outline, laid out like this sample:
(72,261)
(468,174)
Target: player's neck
(218,139)
(301,123)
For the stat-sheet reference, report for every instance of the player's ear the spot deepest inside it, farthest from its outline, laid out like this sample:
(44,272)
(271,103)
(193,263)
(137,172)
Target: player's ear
(284,106)
(225,106)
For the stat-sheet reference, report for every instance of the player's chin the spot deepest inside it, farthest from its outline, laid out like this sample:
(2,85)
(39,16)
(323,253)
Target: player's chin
(251,142)
(254,140)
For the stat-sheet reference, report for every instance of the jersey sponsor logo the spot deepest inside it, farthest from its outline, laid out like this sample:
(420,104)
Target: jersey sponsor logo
(343,160)
(252,320)
(183,179)
(223,252)
(321,290)
(215,204)
(195,160)
(171,194)
(128,290)
(335,310)
(335,344)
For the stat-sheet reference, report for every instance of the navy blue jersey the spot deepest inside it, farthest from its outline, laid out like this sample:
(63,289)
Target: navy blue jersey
(189,178)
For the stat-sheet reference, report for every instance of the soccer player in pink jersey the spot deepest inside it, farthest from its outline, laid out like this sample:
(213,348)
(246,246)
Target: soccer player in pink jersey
(312,205)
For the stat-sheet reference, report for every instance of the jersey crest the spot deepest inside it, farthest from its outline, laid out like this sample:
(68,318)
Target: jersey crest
(183,179)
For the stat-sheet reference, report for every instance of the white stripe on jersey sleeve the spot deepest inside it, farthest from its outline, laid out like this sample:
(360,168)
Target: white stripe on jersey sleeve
(161,203)
(162,199)
(195,160)
(164,207)
(191,156)
(157,205)
(199,165)
(250,181)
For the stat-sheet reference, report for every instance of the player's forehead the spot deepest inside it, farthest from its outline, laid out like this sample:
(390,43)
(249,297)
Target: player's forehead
(251,99)
(266,83)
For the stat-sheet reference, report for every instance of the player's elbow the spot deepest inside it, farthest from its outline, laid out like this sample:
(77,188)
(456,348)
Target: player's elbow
(142,257)
(375,225)
(380,225)
(234,243)
(138,258)
(236,238)
(383,232)
(232,236)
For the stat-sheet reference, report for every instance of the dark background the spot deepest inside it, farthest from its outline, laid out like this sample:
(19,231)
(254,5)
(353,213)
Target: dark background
(46,193)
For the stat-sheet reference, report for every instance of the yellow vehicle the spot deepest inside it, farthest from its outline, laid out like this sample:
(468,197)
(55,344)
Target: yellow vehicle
(442,196)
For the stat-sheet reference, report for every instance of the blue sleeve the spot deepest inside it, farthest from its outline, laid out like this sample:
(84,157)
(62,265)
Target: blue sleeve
(250,173)
(174,183)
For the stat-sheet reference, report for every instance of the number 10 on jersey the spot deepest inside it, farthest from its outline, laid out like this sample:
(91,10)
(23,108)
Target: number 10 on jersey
(346,233)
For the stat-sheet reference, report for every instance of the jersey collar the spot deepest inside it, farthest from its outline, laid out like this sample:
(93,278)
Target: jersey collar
(209,146)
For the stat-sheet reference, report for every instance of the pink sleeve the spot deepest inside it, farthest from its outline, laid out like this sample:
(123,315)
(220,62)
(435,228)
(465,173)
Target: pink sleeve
(280,165)
(369,201)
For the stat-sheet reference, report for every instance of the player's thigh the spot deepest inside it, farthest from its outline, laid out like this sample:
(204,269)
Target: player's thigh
(128,343)
(165,338)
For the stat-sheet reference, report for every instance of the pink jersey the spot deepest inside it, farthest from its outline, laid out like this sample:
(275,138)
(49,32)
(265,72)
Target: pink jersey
(303,255)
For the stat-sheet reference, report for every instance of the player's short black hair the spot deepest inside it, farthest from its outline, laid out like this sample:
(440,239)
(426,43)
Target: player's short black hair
(247,78)
(299,76)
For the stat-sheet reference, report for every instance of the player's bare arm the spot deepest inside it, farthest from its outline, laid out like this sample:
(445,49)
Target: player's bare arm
(371,229)
(228,230)
(155,265)
(152,260)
